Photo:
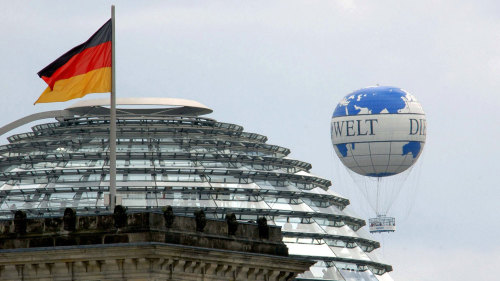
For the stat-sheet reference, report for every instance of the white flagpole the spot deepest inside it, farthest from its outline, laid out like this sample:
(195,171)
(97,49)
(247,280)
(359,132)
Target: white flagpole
(112,121)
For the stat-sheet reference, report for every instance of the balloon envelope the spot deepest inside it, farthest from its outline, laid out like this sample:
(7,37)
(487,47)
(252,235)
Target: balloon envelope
(378,131)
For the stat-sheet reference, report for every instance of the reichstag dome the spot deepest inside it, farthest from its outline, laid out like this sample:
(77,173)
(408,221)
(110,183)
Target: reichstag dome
(169,153)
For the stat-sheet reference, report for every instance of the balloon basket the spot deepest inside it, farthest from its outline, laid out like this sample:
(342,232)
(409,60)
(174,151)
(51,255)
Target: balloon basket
(382,224)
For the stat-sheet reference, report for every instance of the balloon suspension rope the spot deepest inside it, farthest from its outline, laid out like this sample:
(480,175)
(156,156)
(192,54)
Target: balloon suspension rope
(378,197)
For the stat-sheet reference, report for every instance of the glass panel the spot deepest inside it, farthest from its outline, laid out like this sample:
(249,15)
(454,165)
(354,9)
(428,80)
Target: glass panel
(235,185)
(80,163)
(140,163)
(301,227)
(69,178)
(354,253)
(89,149)
(87,199)
(335,242)
(172,177)
(207,164)
(265,184)
(301,208)
(290,239)
(94,177)
(321,250)
(119,177)
(43,165)
(305,241)
(352,275)
(187,203)
(323,271)
(7,168)
(139,148)
(171,148)
(242,204)
(279,206)
(178,163)
(23,186)
(222,179)
(330,210)
(139,177)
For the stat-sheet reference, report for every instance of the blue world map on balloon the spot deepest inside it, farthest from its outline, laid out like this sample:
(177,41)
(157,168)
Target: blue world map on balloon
(375,100)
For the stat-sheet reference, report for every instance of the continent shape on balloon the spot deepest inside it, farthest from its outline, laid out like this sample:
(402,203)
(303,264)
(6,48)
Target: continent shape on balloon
(378,131)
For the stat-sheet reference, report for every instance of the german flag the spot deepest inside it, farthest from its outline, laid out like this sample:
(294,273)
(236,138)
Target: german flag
(84,69)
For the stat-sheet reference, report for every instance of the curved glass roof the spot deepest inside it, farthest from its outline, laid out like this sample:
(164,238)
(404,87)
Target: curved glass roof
(188,162)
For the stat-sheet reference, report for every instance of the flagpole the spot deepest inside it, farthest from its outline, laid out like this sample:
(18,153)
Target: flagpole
(112,121)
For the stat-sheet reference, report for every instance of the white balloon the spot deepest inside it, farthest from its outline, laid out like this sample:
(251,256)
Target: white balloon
(378,131)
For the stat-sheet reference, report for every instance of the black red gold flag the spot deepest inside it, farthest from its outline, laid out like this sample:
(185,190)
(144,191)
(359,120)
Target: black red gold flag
(82,70)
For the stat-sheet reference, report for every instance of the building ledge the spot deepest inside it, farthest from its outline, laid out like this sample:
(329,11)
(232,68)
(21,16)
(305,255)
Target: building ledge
(140,227)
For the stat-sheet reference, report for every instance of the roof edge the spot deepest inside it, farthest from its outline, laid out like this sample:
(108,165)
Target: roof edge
(180,106)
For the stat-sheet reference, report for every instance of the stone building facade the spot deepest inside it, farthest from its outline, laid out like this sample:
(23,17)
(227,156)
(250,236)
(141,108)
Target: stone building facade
(143,246)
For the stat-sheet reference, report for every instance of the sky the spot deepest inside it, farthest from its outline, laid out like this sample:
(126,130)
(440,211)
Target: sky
(279,68)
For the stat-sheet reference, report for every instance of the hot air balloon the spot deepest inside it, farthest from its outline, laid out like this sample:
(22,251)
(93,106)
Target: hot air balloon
(379,132)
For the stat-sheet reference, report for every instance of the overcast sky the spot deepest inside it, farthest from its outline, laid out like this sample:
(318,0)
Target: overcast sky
(279,68)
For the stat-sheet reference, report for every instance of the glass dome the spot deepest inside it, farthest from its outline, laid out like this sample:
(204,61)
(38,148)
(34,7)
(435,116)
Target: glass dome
(176,157)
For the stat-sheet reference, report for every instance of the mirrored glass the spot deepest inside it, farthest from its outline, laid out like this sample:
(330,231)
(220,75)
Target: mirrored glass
(350,253)
(322,271)
(321,250)
(330,210)
(342,231)
(78,163)
(139,177)
(352,275)
(241,204)
(119,177)
(140,163)
(180,177)
(301,227)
